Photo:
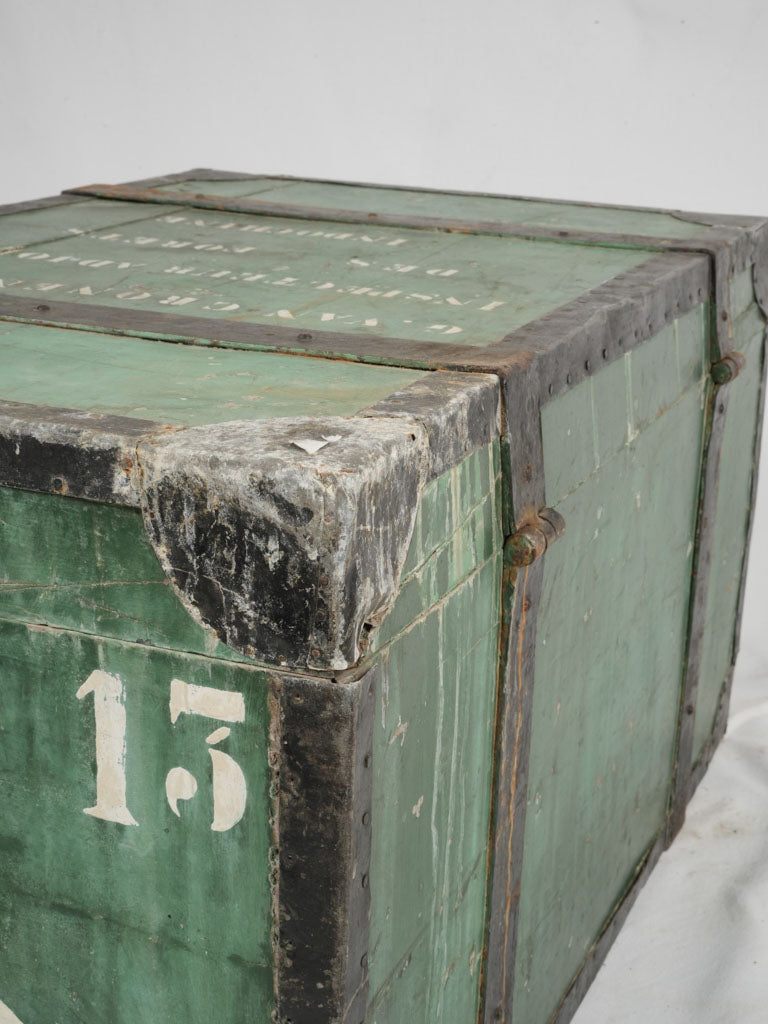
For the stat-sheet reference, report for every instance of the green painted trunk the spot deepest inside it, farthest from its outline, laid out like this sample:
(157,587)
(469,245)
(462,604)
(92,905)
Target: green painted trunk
(309,712)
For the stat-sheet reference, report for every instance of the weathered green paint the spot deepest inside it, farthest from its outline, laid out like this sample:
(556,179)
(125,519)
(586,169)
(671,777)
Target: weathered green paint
(731,521)
(167,921)
(610,648)
(181,384)
(373,199)
(89,568)
(391,282)
(172,921)
(52,223)
(81,589)
(433,737)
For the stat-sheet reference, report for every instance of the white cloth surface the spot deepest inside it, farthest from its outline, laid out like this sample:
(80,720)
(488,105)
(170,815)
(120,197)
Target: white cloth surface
(694,948)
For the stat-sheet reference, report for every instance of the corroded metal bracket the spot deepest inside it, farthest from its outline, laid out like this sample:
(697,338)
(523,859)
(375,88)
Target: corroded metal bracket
(727,368)
(531,541)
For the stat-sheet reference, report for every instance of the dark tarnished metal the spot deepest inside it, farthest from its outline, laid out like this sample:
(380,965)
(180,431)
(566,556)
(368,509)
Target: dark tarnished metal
(535,363)
(67,451)
(38,204)
(210,174)
(459,412)
(714,427)
(323,772)
(531,541)
(235,334)
(725,369)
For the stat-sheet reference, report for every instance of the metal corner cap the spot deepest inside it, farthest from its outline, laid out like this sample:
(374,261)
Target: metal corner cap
(285,536)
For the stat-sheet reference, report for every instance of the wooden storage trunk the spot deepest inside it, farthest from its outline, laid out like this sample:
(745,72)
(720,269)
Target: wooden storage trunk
(307,714)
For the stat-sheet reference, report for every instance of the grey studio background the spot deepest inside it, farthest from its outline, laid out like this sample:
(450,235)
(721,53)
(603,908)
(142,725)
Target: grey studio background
(647,102)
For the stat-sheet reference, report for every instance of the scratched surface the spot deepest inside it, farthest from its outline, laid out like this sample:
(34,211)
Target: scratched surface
(164,921)
(81,566)
(183,384)
(399,283)
(730,530)
(531,212)
(622,460)
(80,590)
(433,737)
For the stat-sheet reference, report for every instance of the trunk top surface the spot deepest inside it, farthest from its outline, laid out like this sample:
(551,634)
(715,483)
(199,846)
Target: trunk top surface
(426,203)
(181,384)
(433,288)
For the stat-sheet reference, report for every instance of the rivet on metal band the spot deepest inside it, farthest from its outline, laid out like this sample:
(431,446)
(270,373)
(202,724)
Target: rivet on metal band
(725,369)
(532,539)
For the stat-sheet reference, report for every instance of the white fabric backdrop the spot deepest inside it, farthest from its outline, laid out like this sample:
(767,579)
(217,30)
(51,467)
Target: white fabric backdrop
(653,102)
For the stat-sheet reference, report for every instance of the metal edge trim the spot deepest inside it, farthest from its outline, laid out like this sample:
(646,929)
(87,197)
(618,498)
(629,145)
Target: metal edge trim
(596,322)
(323,760)
(581,983)
(552,359)
(175,327)
(38,204)
(705,219)
(688,772)
(756,450)
(714,430)
(700,766)
(718,236)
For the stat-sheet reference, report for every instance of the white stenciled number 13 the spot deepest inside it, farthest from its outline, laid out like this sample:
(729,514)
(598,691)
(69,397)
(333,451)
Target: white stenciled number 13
(229,788)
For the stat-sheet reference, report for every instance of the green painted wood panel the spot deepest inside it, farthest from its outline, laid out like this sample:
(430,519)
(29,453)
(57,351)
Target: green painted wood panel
(401,283)
(30,227)
(433,738)
(731,522)
(87,567)
(101,921)
(181,384)
(610,648)
(531,212)
(67,567)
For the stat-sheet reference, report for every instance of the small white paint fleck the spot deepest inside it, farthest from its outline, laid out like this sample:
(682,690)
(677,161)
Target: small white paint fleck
(587,614)
(638,499)
(490,306)
(372,322)
(286,314)
(308,445)
(218,735)
(600,511)
(416,809)
(325,317)
(86,291)
(688,550)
